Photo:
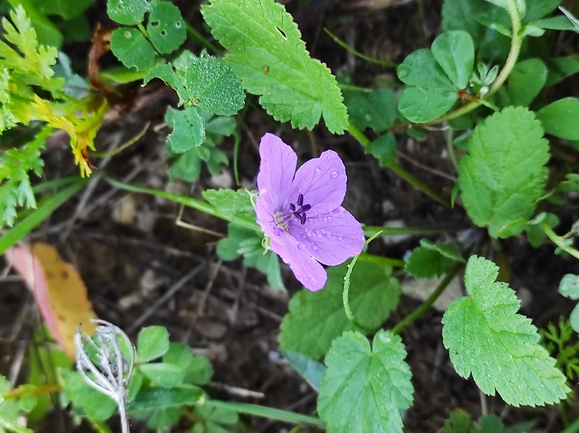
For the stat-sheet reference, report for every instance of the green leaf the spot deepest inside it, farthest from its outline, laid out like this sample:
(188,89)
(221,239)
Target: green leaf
(421,105)
(458,15)
(458,422)
(213,86)
(179,354)
(569,286)
(95,404)
(272,62)
(571,18)
(535,231)
(560,118)
(384,148)
(421,69)
(502,177)
(165,72)
(500,348)
(200,371)
(129,13)
(188,129)
(166,27)
(526,80)
(230,202)
(157,397)
(316,318)
(431,260)
(163,418)
(131,48)
(248,243)
(574,318)
(153,342)
(561,68)
(164,374)
(454,52)
(364,388)
(539,9)
(310,369)
(67,9)
(376,109)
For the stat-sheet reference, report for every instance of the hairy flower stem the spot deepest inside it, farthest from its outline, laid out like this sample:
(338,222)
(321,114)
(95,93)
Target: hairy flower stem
(429,301)
(364,141)
(516,43)
(187,201)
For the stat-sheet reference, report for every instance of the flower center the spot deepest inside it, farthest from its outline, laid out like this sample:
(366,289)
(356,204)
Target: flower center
(297,209)
(300,210)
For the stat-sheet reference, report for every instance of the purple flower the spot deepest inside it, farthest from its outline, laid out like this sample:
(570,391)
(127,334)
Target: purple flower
(301,213)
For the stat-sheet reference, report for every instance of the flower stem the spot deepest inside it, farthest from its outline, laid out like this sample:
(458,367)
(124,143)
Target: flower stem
(346,291)
(364,141)
(429,301)
(516,43)
(397,231)
(188,201)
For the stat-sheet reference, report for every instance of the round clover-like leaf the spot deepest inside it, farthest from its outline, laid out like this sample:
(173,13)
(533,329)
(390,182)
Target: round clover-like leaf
(166,27)
(421,69)
(165,374)
(420,105)
(131,48)
(560,118)
(364,388)
(153,342)
(454,52)
(526,81)
(127,12)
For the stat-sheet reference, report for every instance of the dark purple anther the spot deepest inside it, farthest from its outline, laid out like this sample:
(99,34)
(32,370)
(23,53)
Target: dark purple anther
(300,200)
(300,210)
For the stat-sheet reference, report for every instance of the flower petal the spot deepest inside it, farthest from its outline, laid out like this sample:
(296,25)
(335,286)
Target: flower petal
(330,238)
(276,171)
(322,181)
(305,268)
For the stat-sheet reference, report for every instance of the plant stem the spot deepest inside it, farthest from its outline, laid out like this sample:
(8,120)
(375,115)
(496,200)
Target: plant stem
(516,43)
(196,36)
(359,54)
(266,412)
(200,205)
(558,240)
(364,141)
(429,301)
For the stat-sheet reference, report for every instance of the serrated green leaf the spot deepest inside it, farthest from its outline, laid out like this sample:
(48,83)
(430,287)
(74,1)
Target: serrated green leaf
(454,52)
(272,62)
(188,129)
(421,105)
(214,87)
(131,48)
(310,369)
(230,202)
(163,373)
(431,260)
(153,342)
(376,109)
(502,177)
(316,318)
(364,389)
(166,27)
(526,81)
(560,118)
(500,348)
(127,12)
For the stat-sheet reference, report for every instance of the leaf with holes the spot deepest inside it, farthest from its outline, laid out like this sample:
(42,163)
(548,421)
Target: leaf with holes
(127,12)
(364,389)
(131,48)
(487,339)
(272,62)
(166,27)
(213,86)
